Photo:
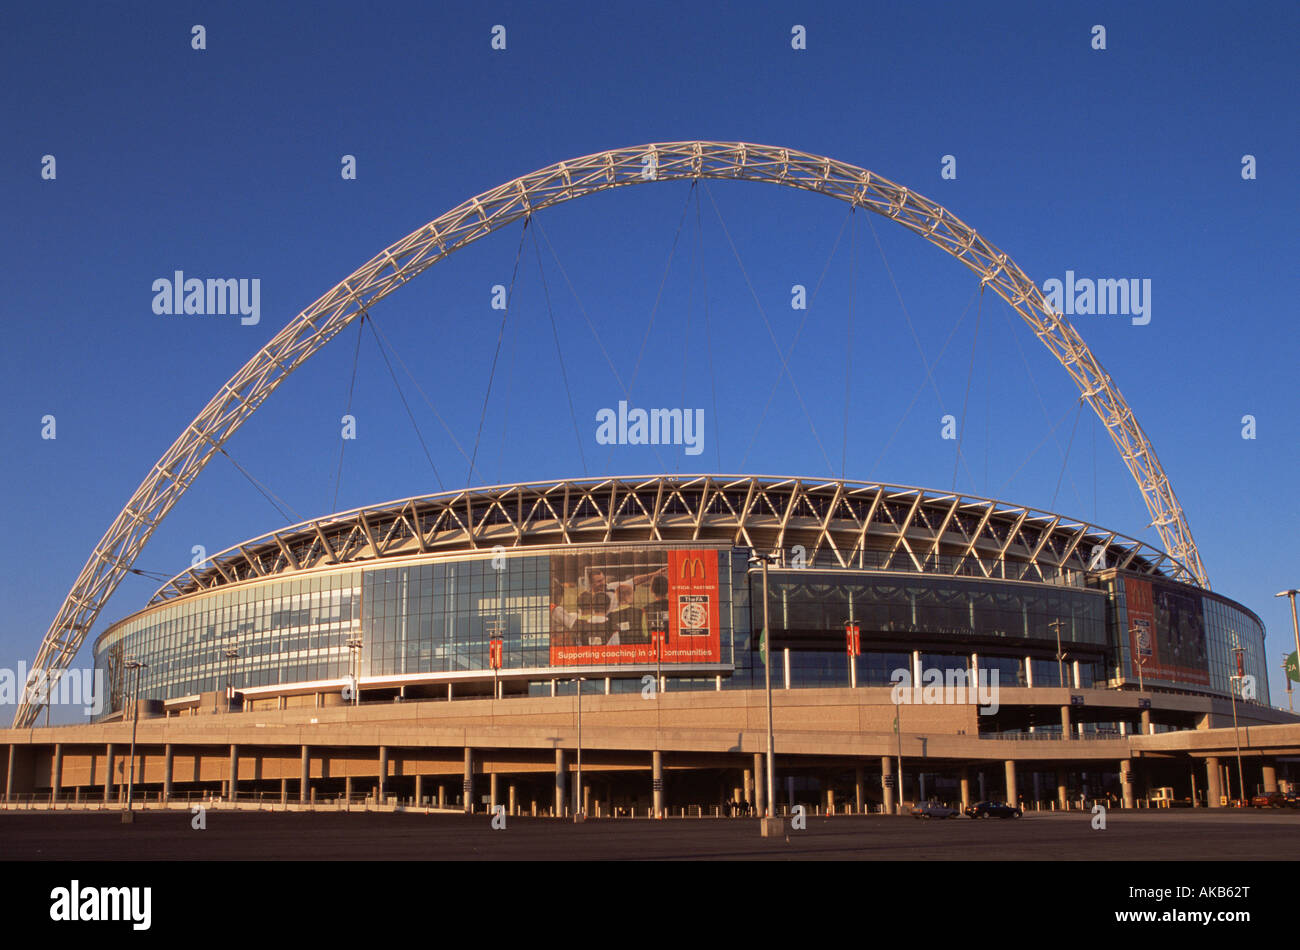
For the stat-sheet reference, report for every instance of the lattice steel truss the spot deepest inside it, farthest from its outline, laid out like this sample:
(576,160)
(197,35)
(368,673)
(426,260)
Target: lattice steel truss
(842,524)
(401,262)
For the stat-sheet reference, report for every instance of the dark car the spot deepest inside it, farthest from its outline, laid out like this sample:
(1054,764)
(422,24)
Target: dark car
(934,810)
(993,810)
(1269,800)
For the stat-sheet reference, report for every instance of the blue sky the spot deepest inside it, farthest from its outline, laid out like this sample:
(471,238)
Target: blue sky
(225,162)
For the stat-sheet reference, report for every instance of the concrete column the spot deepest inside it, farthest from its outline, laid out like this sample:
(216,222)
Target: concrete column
(1038,787)
(1213,786)
(789,792)
(887,770)
(1126,783)
(510,807)
(786,681)
(760,786)
(965,788)
(552,687)
(1061,790)
(983,794)
(586,798)
(442,795)
(657,783)
(1029,672)
(749,786)
(347,789)
(830,800)
(1270,778)
(1065,722)
(108,772)
(493,787)
(916,668)
(304,779)
(234,772)
(56,771)
(1123,728)
(1011,782)
(859,789)
(975,669)
(168,768)
(467,782)
(383,775)
(559,783)
(1078,680)
(1146,722)
(920,776)
(608,686)
(284,791)
(419,790)
(9,776)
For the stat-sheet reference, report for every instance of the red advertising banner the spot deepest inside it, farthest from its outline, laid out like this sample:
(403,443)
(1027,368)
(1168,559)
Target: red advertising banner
(605,606)
(1166,633)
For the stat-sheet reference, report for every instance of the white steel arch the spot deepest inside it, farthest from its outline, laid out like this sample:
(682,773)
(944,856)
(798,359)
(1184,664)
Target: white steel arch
(399,263)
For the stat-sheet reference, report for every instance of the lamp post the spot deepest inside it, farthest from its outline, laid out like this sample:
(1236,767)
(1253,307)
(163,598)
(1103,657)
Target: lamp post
(579,811)
(128,816)
(354,647)
(1232,691)
(1060,657)
(1295,625)
(232,654)
(765,559)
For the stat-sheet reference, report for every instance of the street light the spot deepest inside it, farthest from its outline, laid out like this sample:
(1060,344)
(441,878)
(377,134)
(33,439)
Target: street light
(128,816)
(1295,625)
(354,646)
(579,811)
(1060,657)
(1239,678)
(765,559)
(232,654)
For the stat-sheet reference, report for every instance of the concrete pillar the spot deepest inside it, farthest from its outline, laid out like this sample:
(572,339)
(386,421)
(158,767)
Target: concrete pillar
(493,787)
(467,782)
(347,789)
(1126,783)
(1029,671)
(234,772)
(983,794)
(1011,782)
(586,798)
(916,668)
(1270,778)
(1078,680)
(786,681)
(920,777)
(965,788)
(760,786)
(108,772)
(657,782)
(1146,722)
(442,795)
(1213,786)
(510,807)
(974,669)
(559,783)
(608,686)
(284,791)
(748,778)
(168,769)
(552,687)
(1123,727)
(886,772)
(789,792)
(304,778)
(1065,722)
(859,788)
(830,800)
(1062,802)
(419,790)
(1038,787)
(383,775)
(56,771)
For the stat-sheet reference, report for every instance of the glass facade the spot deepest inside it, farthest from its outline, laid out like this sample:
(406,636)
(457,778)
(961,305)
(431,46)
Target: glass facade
(439,616)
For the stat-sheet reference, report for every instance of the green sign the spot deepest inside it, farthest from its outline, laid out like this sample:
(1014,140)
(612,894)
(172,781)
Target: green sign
(1292,668)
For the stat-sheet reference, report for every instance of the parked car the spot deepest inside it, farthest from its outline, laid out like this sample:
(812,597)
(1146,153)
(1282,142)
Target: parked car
(993,810)
(1269,800)
(935,810)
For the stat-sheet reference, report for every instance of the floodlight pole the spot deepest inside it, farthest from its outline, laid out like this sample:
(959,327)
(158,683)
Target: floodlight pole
(129,815)
(767,683)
